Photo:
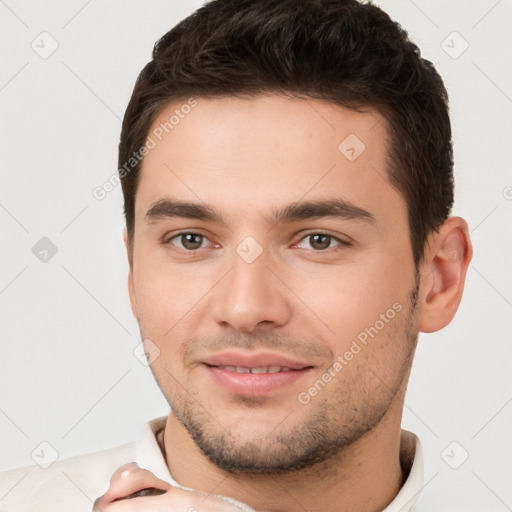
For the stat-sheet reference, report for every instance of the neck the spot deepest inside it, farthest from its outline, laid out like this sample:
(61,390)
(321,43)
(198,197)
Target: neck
(365,476)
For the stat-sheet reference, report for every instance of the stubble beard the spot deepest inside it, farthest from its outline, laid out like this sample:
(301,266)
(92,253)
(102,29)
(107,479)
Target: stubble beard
(332,424)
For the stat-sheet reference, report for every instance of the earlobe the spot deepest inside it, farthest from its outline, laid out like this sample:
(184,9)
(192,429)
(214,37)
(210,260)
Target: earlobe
(443,274)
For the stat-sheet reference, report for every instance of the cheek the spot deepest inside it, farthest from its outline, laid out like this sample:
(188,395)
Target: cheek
(162,306)
(352,304)
(168,296)
(155,291)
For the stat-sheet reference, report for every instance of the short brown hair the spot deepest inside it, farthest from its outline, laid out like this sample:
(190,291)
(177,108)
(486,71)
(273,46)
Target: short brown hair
(343,51)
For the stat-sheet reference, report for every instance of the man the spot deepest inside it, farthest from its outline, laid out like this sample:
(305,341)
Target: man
(287,177)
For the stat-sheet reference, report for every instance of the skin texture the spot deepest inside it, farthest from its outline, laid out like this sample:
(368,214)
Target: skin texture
(247,158)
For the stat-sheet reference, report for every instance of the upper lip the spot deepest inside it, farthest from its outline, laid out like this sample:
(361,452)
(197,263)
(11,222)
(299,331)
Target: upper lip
(261,360)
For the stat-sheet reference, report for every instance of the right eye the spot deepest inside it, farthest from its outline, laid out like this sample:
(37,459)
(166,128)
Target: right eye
(188,241)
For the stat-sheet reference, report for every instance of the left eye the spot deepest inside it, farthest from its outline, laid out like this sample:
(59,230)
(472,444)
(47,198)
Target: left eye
(189,241)
(321,241)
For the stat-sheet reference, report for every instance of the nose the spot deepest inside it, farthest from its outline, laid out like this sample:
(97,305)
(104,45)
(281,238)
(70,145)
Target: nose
(251,296)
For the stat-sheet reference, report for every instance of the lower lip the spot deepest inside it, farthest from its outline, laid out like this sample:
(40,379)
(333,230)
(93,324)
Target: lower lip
(254,384)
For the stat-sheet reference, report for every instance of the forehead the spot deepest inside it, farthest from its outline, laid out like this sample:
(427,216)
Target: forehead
(259,152)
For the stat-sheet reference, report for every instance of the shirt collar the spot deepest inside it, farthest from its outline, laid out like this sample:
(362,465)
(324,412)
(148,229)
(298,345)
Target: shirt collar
(149,456)
(411,460)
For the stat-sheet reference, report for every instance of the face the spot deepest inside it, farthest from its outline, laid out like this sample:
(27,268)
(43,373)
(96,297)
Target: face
(272,274)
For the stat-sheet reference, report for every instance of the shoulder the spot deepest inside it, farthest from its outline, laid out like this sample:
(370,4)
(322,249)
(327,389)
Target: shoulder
(70,484)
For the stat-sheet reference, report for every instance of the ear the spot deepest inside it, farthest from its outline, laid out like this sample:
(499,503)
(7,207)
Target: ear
(131,286)
(443,273)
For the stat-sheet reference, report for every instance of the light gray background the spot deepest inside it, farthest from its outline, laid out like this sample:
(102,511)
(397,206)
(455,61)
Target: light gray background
(68,375)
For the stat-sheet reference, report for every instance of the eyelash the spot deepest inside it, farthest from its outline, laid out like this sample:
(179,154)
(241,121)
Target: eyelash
(342,243)
(178,235)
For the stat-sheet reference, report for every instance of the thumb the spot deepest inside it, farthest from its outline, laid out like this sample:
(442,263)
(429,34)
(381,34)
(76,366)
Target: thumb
(127,480)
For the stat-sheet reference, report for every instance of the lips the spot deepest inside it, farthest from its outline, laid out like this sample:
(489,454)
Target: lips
(262,360)
(259,370)
(254,374)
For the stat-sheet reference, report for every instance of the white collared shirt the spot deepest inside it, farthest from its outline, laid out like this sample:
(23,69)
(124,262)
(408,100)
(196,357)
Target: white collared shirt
(149,456)
(73,484)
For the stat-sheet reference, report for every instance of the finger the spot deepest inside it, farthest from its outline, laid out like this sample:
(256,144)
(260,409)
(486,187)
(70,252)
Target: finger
(129,480)
(101,503)
(148,491)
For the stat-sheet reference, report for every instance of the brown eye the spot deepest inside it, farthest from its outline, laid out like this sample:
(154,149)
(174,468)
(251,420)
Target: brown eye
(320,242)
(188,241)
(191,241)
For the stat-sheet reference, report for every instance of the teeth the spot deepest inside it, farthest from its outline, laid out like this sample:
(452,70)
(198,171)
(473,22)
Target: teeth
(261,369)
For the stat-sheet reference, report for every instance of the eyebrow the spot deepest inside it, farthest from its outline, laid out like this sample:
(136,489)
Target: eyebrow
(168,208)
(303,210)
(338,208)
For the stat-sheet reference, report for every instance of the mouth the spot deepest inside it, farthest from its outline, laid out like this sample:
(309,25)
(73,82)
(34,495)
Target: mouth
(254,374)
(257,370)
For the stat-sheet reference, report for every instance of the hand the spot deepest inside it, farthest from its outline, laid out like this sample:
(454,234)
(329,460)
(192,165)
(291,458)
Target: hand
(134,489)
